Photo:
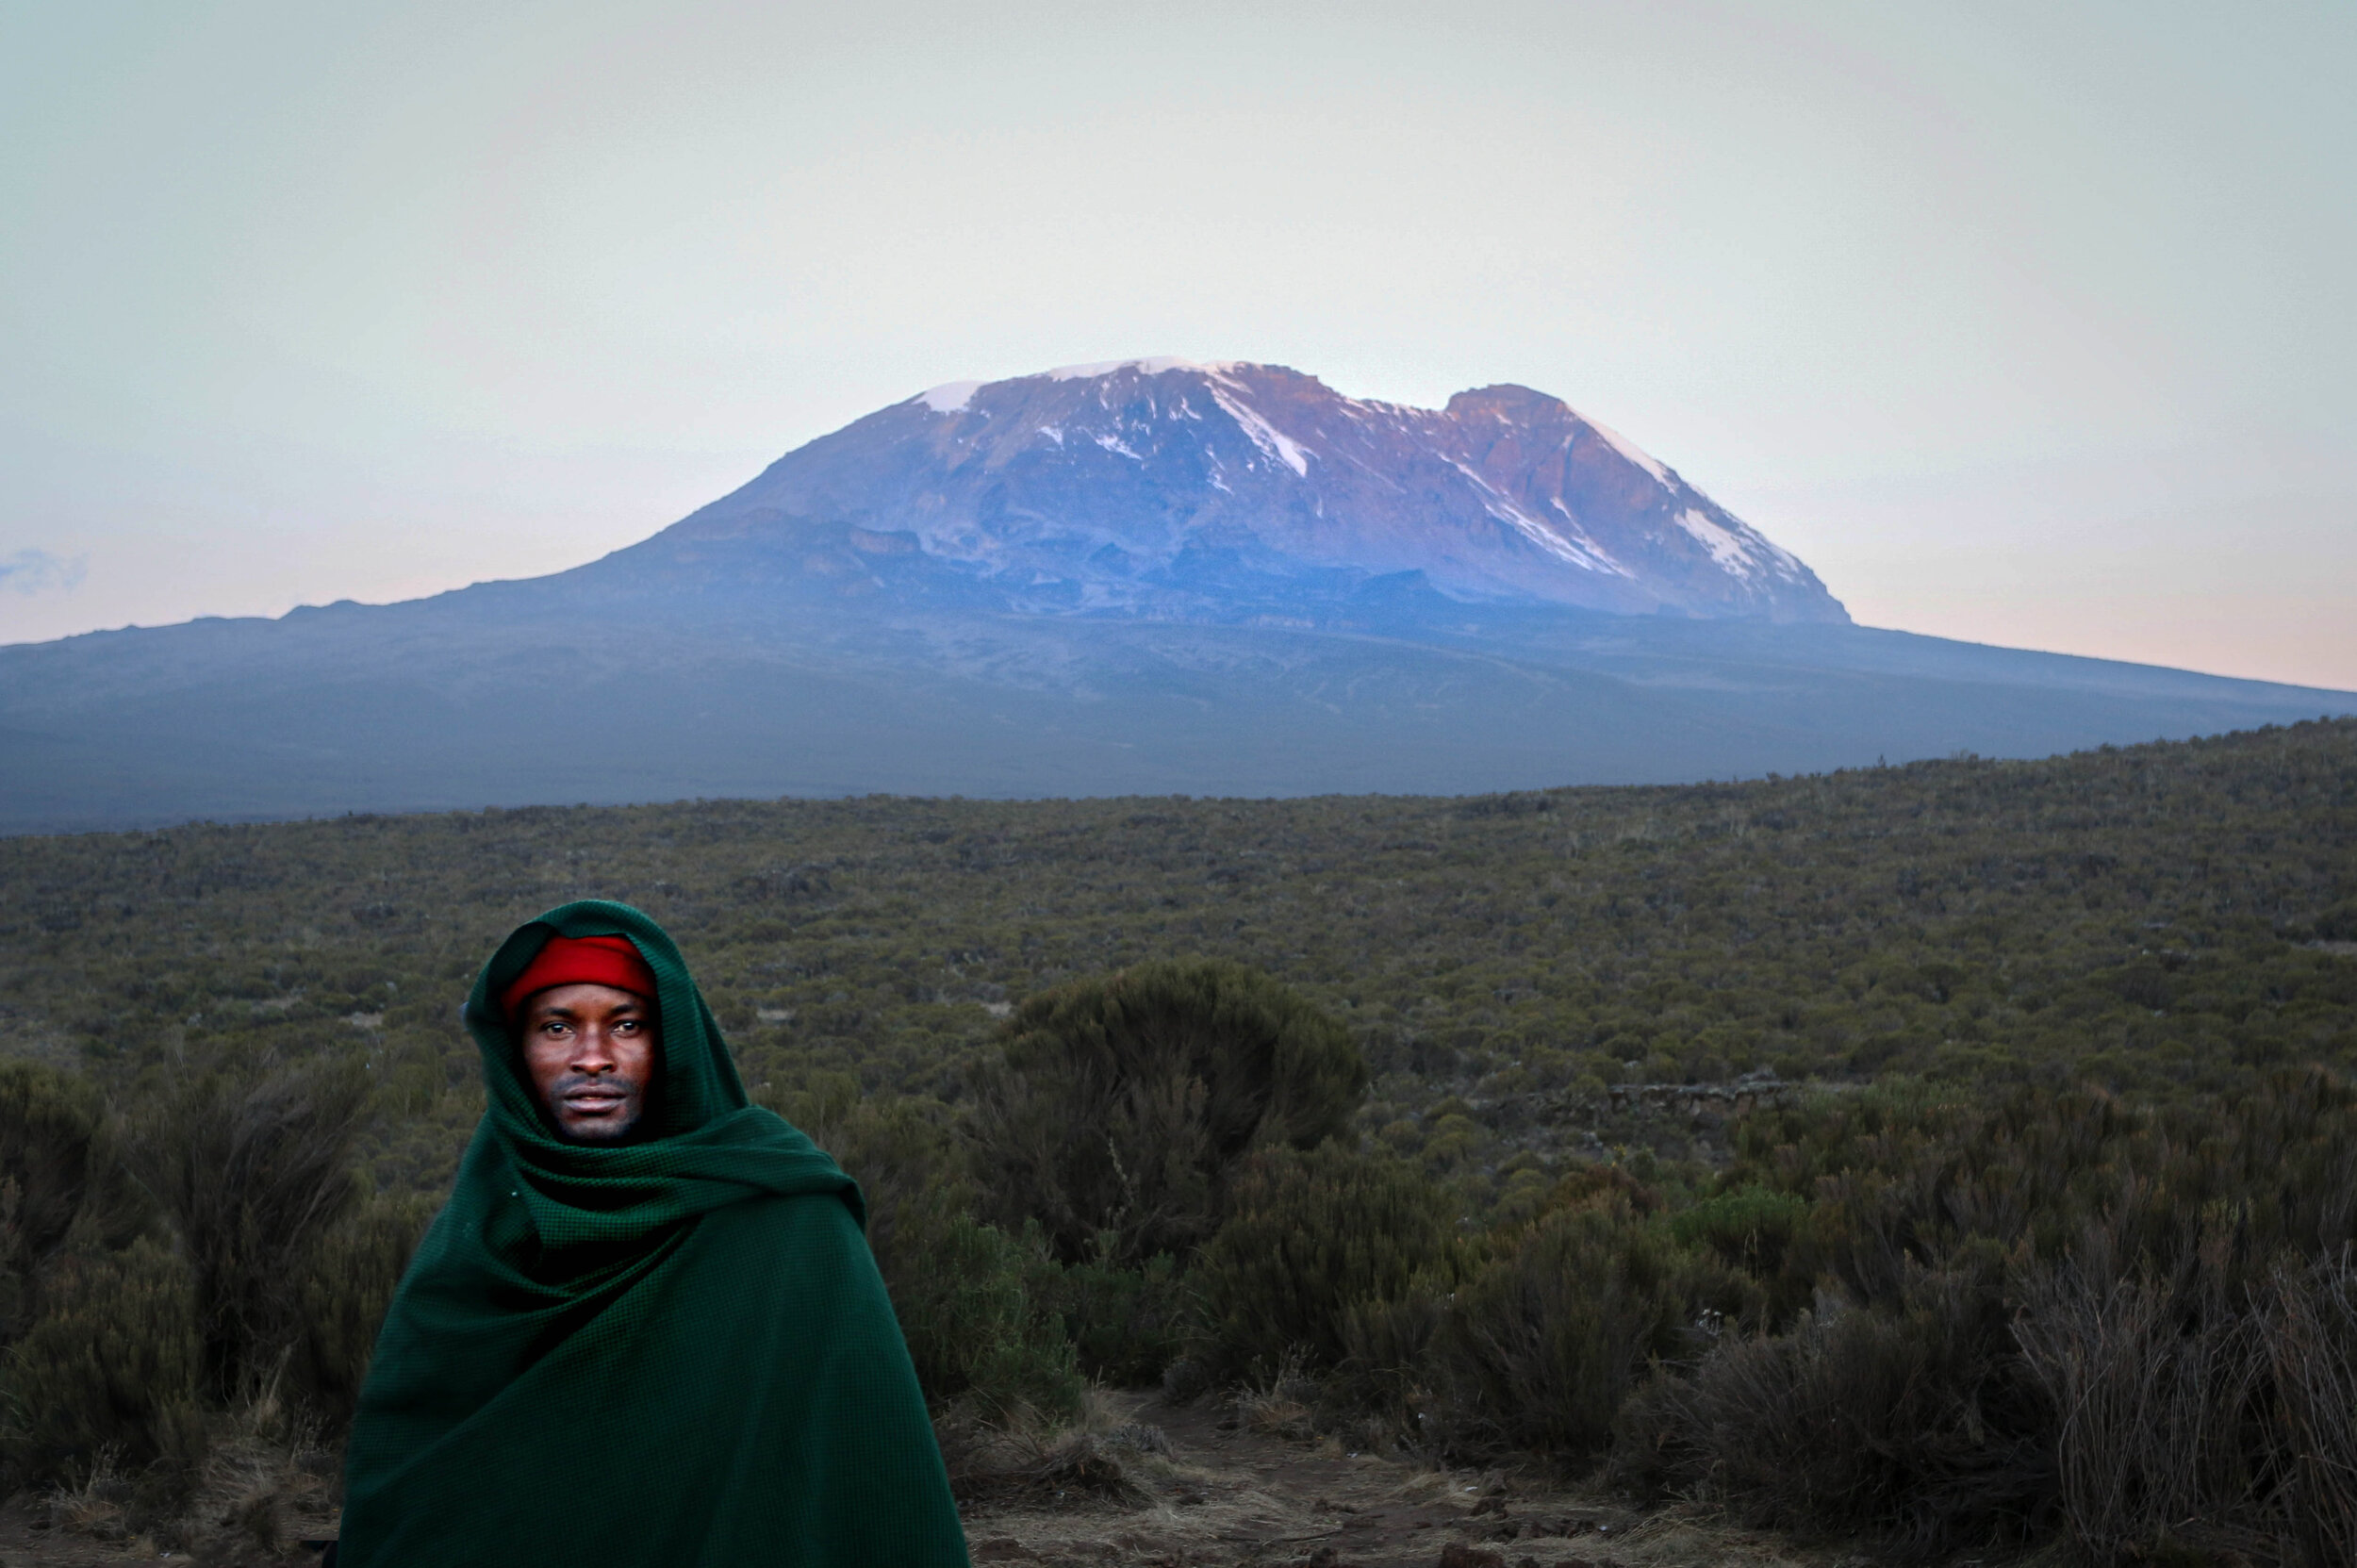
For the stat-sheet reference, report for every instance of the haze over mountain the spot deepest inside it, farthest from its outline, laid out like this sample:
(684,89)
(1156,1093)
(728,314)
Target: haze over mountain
(1153,577)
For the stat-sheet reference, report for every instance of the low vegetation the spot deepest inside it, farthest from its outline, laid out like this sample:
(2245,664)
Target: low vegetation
(1959,1156)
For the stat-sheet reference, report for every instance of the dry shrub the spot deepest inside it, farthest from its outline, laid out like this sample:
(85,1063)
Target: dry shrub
(251,1532)
(1123,1104)
(108,1376)
(1918,1424)
(2154,1392)
(2308,1330)
(99,1504)
(254,1175)
(1088,1457)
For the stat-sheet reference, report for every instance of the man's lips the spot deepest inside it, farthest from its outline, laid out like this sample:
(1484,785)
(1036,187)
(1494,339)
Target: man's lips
(594,1101)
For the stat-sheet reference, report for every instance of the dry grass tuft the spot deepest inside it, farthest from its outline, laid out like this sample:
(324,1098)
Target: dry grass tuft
(1283,1406)
(264,1488)
(99,1506)
(1102,1456)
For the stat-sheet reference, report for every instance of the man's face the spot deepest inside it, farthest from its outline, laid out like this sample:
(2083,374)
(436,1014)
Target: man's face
(591,1053)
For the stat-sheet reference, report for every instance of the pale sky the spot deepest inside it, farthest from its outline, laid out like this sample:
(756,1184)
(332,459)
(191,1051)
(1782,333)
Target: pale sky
(2029,323)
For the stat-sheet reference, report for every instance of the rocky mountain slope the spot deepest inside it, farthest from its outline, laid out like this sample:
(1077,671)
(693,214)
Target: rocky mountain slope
(1168,489)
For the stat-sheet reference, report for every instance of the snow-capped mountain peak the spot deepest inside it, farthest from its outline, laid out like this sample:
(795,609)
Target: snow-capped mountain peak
(1111,487)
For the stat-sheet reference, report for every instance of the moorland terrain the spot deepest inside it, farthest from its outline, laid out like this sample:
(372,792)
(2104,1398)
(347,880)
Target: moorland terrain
(1811,1149)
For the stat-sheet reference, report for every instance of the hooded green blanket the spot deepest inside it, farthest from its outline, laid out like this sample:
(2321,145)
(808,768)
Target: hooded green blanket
(666,1352)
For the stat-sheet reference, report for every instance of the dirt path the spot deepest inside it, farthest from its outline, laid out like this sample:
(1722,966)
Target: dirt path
(1219,1494)
(1207,1491)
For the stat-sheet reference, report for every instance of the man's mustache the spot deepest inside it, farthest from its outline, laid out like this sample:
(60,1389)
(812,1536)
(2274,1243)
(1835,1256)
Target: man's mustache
(612,1083)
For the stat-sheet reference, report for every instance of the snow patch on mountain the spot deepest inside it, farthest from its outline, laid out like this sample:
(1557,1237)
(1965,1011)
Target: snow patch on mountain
(1730,550)
(1584,542)
(1264,435)
(1143,367)
(1537,532)
(1626,448)
(950,397)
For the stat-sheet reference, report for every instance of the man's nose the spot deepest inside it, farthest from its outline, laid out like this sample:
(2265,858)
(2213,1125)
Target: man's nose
(592,1050)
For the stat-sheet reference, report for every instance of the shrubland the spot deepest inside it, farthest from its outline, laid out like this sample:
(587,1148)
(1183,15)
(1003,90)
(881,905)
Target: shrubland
(1957,1155)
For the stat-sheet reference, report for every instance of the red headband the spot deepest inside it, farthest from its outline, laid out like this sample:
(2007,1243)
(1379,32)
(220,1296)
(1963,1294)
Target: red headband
(581,961)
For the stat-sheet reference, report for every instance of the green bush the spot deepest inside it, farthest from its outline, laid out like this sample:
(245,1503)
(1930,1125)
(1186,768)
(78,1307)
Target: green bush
(982,1309)
(1901,1179)
(1545,1338)
(1749,1227)
(1313,1238)
(2338,923)
(1126,1325)
(911,1167)
(111,1370)
(1123,1104)
(2130,1322)
(353,1272)
(980,1324)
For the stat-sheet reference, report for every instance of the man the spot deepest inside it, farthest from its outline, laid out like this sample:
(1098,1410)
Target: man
(646,1329)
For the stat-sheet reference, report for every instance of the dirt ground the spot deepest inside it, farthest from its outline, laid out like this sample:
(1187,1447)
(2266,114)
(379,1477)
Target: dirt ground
(1202,1487)
(1220,1493)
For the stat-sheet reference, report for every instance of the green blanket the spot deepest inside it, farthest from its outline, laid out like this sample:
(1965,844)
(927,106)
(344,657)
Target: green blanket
(673,1351)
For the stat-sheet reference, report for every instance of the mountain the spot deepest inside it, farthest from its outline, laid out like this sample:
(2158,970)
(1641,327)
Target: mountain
(1165,490)
(1145,578)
